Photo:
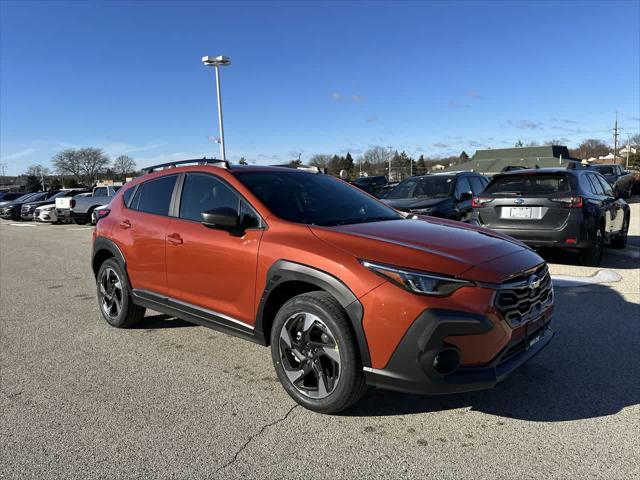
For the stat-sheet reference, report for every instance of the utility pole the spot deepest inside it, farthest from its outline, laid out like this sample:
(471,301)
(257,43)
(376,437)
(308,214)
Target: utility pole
(628,149)
(390,157)
(615,140)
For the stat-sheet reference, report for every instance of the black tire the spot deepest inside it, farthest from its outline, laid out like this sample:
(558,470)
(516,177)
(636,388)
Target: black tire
(328,327)
(592,256)
(79,221)
(114,298)
(620,240)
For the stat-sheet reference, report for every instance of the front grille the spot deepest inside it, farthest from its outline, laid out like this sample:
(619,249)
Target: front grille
(520,299)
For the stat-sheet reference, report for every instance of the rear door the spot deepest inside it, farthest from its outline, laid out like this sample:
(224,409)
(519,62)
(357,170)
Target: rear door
(612,206)
(209,268)
(141,234)
(530,200)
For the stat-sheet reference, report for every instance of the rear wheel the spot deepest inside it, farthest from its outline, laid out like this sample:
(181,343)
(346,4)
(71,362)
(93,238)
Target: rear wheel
(315,354)
(114,299)
(592,256)
(620,240)
(80,220)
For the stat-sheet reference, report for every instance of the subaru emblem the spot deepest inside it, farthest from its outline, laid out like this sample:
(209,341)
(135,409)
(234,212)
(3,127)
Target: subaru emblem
(533,282)
(519,201)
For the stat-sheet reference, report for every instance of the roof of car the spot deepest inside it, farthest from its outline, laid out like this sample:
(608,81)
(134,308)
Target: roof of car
(535,171)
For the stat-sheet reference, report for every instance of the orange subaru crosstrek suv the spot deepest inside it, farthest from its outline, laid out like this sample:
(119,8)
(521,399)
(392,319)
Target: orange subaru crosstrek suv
(346,291)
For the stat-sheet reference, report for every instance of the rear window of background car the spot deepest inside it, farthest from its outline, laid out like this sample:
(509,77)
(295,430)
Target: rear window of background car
(528,184)
(154,196)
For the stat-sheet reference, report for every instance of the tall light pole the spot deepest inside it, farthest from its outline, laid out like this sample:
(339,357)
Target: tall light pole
(219,61)
(390,158)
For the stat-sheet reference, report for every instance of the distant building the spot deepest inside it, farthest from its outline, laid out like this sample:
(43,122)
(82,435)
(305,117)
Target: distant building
(438,167)
(494,160)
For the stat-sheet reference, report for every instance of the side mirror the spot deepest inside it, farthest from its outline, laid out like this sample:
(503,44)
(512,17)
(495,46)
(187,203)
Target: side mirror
(464,196)
(221,218)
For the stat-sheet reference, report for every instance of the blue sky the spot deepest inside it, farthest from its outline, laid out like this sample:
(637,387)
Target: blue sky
(312,77)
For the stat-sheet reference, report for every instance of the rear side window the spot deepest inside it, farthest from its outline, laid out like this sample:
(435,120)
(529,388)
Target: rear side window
(605,185)
(477,185)
(462,186)
(101,192)
(154,196)
(126,196)
(596,187)
(527,184)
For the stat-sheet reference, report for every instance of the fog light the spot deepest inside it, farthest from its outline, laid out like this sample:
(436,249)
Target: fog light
(446,361)
(570,241)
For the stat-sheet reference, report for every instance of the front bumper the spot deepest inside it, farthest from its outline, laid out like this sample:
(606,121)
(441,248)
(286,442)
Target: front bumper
(411,367)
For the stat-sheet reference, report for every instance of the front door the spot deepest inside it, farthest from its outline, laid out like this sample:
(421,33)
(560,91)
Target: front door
(209,268)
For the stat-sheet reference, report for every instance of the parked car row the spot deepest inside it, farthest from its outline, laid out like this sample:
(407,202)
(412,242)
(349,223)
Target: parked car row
(56,206)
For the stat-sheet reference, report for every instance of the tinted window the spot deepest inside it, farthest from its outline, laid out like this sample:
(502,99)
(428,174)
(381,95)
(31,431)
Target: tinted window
(429,186)
(596,188)
(476,185)
(379,181)
(530,184)
(101,192)
(155,196)
(605,185)
(126,196)
(204,192)
(462,186)
(314,199)
(605,169)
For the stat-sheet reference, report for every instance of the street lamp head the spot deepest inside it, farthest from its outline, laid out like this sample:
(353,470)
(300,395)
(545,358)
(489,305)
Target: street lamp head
(212,61)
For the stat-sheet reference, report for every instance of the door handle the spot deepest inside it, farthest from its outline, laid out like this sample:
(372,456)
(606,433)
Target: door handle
(174,239)
(125,224)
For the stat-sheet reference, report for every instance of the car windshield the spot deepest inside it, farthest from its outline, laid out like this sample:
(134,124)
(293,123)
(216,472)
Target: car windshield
(362,181)
(605,169)
(528,184)
(25,197)
(314,199)
(431,186)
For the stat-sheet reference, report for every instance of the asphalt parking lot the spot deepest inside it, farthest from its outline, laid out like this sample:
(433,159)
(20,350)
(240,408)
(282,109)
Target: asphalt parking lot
(168,399)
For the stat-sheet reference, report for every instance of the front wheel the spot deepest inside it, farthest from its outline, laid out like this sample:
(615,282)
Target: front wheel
(315,354)
(114,299)
(592,256)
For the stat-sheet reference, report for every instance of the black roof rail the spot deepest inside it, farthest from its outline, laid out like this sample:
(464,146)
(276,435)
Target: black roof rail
(197,161)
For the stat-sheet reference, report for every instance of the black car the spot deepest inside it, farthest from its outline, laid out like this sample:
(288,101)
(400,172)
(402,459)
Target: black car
(620,180)
(9,196)
(27,209)
(445,195)
(566,208)
(12,210)
(372,185)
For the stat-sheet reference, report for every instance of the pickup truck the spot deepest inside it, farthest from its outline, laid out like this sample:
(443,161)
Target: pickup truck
(620,180)
(80,207)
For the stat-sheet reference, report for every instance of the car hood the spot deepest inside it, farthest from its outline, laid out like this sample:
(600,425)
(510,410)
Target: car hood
(40,203)
(404,203)
(433,245)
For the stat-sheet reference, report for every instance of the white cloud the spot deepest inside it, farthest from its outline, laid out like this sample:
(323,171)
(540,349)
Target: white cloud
(337,96)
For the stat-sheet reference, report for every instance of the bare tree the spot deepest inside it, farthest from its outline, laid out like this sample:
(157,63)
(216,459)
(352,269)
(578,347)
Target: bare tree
(84,164)
(320,160)
(591,147)
(37,171)
(124,164)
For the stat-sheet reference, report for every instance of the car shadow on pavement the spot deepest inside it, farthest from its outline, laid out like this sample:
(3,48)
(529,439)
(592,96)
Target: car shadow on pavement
(611,258)
(161,321)
(590,369)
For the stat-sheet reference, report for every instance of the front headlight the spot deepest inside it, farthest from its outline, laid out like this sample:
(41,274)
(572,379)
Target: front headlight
(422,283)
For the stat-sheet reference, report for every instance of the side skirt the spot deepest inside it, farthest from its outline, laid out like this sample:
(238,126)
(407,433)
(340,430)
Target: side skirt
(198,315)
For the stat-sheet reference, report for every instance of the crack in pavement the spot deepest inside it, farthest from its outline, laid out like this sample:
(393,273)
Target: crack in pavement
(255,435)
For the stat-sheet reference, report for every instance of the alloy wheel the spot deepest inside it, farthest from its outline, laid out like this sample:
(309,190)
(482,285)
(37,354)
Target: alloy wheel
(310,355)
(111,294)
